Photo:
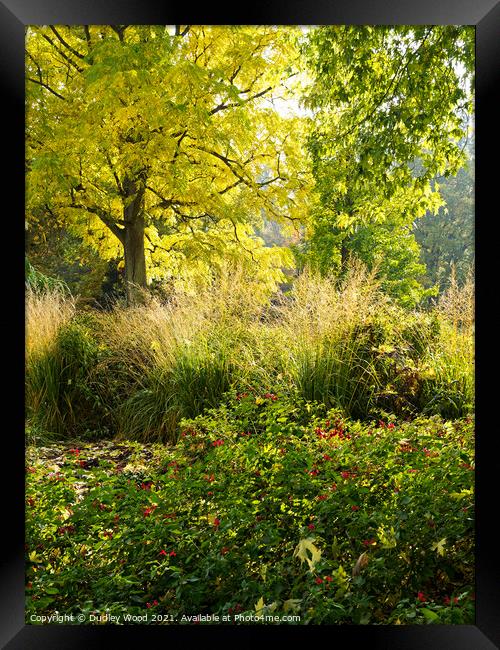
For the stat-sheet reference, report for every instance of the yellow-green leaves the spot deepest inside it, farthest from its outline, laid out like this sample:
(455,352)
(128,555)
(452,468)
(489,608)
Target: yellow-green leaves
(259,606)
(462,494)
(439,546)
(388,117)
(291,604)
(307,551)
(192,118)
(387,537)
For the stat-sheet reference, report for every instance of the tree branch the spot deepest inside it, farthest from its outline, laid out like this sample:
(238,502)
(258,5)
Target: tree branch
(167,203)
(104,217)
(40,81)
(239,242)
(230,187)
(66,45)
(120,30)
(44,85)
(162,248)
(184,31)
(64,56)
(222,107)
(115,175)
(87,37)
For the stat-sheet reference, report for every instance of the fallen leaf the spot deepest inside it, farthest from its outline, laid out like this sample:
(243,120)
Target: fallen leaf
(301,552)
(360,564)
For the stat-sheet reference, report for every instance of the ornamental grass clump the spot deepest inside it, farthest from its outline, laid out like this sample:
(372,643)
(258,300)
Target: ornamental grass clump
(46,312)
(196,378)
(328,335)
(449,388)
(62,394)
(180,356)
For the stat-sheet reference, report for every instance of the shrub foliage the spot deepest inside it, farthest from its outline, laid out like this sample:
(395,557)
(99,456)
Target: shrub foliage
(264,504)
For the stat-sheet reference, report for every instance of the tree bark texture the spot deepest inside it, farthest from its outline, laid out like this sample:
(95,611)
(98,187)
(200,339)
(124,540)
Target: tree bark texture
(133,242)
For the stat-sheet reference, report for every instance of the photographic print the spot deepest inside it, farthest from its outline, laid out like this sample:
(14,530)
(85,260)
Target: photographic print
(250,319)
(249,281)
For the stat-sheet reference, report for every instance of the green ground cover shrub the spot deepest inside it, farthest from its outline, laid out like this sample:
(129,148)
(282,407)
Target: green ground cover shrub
(266,505)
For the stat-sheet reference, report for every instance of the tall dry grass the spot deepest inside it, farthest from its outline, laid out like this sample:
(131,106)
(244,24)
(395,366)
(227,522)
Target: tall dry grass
(457,304)
(179,357)
(325,330)
(451,390)
(322,306)
(340,342)
(46,312)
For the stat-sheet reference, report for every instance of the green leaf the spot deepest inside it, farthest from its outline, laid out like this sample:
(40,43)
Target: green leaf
(431,616)
(439,546)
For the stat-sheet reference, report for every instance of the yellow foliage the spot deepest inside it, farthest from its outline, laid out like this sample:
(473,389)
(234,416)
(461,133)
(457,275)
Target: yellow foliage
(303,547)
(190,121)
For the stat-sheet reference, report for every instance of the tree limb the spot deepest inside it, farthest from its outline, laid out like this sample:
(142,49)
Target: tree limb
(184,31)
(64,56)
(239,242)
(66,45)
(104,217)
(46,86)
(87,37)
(167,203)
(120,30)
(162,248)
(222,107)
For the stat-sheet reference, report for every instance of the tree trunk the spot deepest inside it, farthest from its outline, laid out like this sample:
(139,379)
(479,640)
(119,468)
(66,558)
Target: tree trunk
(135,261)
(133,243)
(344,257)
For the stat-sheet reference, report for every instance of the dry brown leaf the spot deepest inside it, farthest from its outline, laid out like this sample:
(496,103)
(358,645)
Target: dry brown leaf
(360,564)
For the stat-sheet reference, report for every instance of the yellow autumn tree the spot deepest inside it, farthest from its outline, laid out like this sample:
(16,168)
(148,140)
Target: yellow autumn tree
(164,144)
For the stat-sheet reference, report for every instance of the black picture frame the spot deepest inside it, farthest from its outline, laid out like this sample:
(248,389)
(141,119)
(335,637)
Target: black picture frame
(485,15)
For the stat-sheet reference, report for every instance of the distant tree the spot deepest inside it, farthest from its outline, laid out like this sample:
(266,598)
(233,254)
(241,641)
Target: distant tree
(446,239)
